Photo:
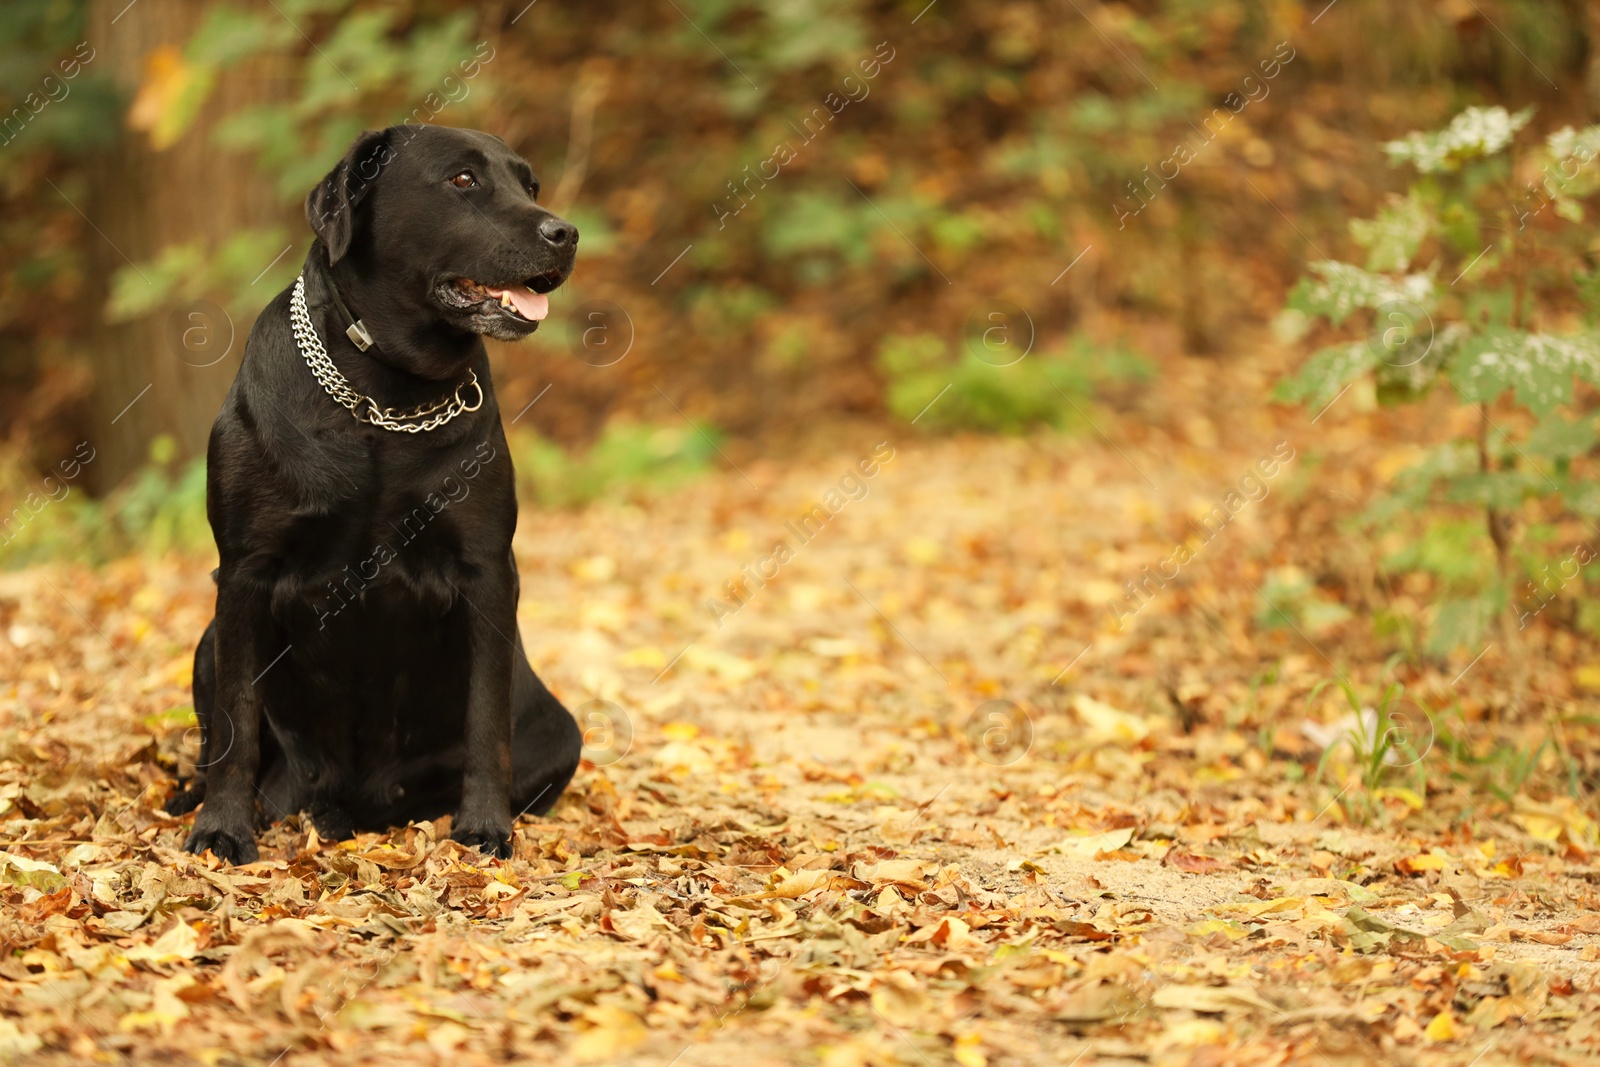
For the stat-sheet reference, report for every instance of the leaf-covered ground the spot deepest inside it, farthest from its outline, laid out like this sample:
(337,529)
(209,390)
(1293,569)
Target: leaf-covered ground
(809,835)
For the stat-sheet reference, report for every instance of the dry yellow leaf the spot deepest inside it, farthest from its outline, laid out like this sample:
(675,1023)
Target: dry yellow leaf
(612,1032)
(909,873)
(16,1043)
(179,943)
(1192,1033)
(923,550)
(1206,927)
(1444,1028)
(1087,846)
(967,1050)
(950,933)
(1540,827)
(791,886)
(1206,998)
(169,96)
(637,924)
(1427,861)
(1254,908)
(1108,725)
(594,569)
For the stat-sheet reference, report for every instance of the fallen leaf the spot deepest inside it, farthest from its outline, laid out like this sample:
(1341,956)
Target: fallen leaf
(180,942)
(1097,1003)
(793,886)
(950,933)
(636,924)
(612,1031)
(1431,861)
(1088,846)
(1086,931)
(15,1042)
(912,874)
(1210,999)
(1233,931)
(1194,862)
(1108,725)
(1444,1027)
(967,1050)
(22,871)
(1543,937)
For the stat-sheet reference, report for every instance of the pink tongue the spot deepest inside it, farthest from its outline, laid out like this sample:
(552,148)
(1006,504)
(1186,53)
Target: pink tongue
(529,304)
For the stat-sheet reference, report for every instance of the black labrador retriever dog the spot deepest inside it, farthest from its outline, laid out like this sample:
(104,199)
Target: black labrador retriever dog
(364,664)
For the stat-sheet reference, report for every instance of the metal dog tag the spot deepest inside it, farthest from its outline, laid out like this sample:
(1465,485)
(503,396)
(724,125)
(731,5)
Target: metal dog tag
(359,336)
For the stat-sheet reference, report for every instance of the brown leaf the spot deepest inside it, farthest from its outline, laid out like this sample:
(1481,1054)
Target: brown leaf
(1194,862)
(1211,999)
(1097,1003)
(911,874)
(1086,931)
(51,904)
(392,859)
(1543,937)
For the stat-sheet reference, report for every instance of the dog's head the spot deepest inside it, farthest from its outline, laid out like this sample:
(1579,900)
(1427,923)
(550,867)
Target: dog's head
(449,218)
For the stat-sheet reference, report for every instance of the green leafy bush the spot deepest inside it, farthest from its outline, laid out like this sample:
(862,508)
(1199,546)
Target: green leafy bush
(1458,274)
(1289,600)
(629,457)
(161,508)
(931,385)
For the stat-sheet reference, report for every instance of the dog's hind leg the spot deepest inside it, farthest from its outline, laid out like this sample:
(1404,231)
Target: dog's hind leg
(545,741)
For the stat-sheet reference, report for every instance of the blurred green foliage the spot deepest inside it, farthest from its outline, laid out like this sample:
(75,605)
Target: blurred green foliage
(160,509)
(163,507)
(1291,600)
(937,389)
(963,153)
(1511,240)
(372,63)
(985,143)
(628,460)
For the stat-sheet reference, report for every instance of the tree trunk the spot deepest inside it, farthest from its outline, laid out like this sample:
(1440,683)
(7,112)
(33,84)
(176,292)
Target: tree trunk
(146,382)
(1591,80)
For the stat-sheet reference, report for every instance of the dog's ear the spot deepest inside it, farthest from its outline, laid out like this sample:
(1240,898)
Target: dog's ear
(331,206)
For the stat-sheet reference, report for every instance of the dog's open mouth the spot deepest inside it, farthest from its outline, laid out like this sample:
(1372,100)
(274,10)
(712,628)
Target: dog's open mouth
(522,301)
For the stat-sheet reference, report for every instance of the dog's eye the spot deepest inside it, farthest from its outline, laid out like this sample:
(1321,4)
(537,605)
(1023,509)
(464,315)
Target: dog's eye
(464,180)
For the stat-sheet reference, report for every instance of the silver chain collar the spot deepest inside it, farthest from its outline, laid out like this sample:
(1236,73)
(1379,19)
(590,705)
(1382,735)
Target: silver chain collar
(364,408)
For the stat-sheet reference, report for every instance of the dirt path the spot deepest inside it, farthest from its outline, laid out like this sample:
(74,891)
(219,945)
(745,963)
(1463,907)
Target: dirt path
(808,832)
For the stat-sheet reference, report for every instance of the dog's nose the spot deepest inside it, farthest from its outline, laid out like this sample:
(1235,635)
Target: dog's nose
(558,232)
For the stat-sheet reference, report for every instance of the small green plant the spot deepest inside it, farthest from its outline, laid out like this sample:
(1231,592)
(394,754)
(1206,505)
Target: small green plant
(628,458)
(929,384)
(1497,765)
(1462,275)
(1387,739)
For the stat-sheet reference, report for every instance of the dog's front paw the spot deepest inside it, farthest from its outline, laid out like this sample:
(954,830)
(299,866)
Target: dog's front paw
(231,844)
(492,840)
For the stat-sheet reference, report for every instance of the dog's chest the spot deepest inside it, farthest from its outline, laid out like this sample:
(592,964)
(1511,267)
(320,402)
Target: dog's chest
(405,554)
(401,546)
